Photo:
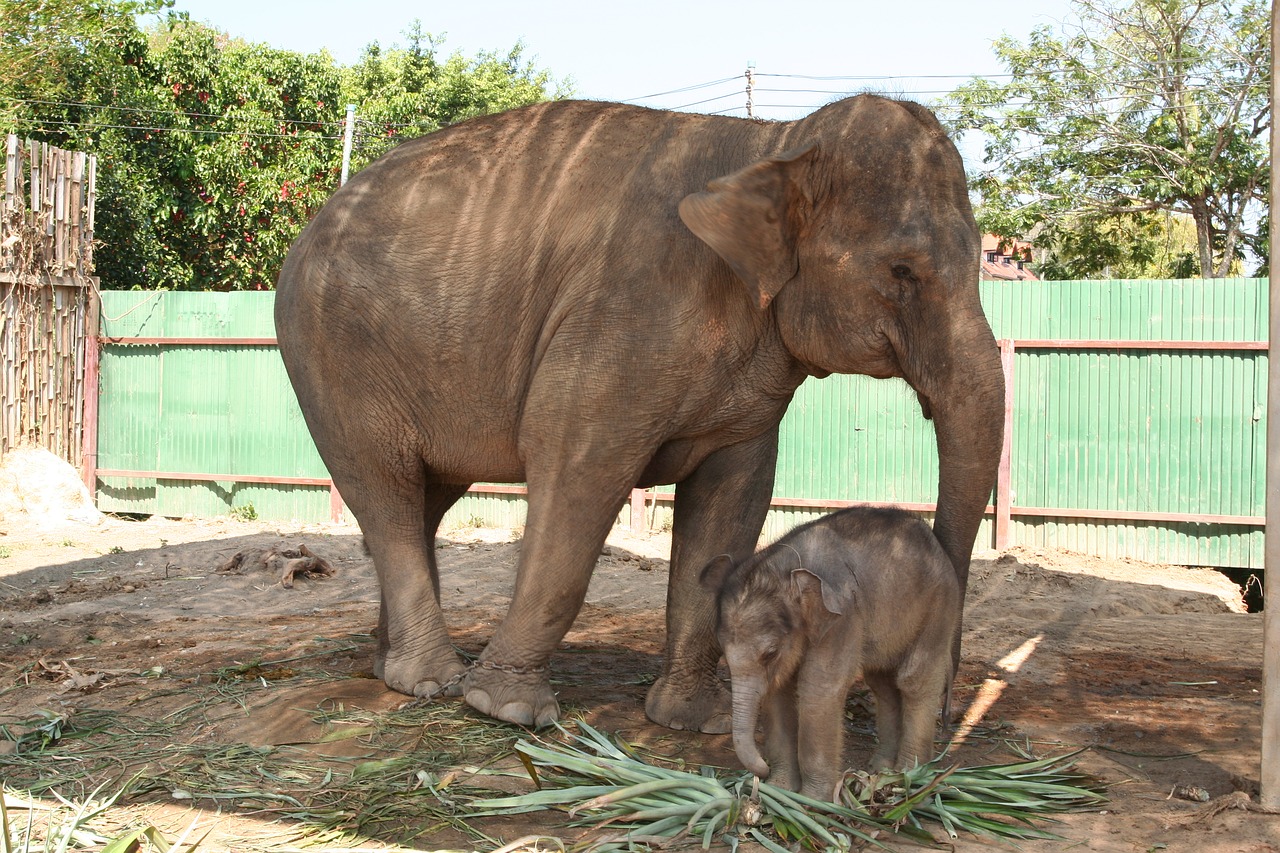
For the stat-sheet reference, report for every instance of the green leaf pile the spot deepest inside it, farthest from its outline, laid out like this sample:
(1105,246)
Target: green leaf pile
(602,783)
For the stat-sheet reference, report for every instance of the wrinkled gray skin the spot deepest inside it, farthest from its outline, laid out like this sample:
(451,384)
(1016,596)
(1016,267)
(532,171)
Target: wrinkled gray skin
(861,593)
(588,297)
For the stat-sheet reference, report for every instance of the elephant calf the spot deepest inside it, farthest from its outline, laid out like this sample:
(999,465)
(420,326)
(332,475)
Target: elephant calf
(861,592)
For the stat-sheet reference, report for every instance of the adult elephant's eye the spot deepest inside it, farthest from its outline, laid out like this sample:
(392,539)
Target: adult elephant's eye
(899,285)
(906,280)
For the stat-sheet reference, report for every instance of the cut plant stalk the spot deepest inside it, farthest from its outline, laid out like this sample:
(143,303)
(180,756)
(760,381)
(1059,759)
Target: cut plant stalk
(601,784)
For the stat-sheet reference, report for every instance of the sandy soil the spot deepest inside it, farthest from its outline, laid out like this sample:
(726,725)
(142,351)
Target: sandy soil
(1155,670)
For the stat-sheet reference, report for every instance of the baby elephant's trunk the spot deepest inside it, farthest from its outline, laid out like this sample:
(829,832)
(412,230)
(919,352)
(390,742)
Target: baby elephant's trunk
(746,708)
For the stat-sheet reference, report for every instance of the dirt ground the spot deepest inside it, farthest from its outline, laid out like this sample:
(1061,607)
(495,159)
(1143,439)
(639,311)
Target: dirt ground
(1154,670)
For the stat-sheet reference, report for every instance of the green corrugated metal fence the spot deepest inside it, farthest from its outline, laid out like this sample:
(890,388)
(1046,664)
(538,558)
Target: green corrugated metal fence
(1099,430)
(191,408)
(1139,431)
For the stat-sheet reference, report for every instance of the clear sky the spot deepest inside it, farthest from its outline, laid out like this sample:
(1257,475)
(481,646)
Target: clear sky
(627,50)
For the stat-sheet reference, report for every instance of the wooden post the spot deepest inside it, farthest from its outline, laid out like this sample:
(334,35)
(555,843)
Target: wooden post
(637,511)
(1269,778)
(1004,489)
(90,201)
(89,426)
(12,176)
(348,137)
(335,505)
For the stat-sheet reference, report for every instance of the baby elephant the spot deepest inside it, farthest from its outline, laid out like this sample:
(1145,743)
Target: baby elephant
(861,592)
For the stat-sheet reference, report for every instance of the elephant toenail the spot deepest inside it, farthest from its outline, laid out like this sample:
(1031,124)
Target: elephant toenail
(520,713)
(718,725)
(480,700)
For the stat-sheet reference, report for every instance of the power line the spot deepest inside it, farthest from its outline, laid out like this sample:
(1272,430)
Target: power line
(57,126)
(1003,112)
(708,101)
(1260,87)
(879,77)
(1066,106)
(1223,62)
(184,113)
(943,109)
(683,90)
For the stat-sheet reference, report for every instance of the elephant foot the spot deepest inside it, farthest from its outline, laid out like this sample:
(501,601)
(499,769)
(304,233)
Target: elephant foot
(705,709)
(423,679)
(523,698)
(882,760)
(826,790)
(784,775)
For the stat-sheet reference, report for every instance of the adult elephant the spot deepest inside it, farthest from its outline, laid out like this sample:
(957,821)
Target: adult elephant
(589,297)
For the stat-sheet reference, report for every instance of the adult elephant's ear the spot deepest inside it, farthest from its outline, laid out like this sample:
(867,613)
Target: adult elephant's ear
(751,218)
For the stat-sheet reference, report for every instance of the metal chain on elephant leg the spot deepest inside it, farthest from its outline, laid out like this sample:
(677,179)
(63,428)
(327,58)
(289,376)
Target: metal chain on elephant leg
(421,701)
(510,669)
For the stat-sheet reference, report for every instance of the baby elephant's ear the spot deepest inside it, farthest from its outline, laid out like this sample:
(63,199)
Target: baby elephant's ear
(714,573)
(821,599)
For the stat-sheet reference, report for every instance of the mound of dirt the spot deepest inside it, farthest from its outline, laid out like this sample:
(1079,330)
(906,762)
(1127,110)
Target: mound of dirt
(45,489)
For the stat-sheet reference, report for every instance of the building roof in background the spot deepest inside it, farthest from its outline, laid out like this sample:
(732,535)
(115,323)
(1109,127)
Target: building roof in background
(1006,260)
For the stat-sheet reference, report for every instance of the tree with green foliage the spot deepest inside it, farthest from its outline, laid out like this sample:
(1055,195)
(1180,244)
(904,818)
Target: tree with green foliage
(54,51)
(79,75)
(1156,244)
(406,92)
(1137,111)
(252,150)
(214,152)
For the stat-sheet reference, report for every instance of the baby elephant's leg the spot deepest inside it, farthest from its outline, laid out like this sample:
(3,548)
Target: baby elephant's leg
(921,690)
(820,708)
(781,731)
(888,719)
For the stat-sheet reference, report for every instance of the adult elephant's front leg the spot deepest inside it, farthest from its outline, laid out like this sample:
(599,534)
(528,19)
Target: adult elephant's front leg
(719,509)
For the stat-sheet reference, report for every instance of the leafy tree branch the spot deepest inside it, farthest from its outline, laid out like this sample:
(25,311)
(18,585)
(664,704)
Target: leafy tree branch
(1133,110)
(214,152)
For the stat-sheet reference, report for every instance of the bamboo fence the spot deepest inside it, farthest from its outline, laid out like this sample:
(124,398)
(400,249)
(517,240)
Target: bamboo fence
(47,296)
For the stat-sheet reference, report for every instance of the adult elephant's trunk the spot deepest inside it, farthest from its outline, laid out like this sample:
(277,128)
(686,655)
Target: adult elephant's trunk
(955,369)
(968,415)
(747,693)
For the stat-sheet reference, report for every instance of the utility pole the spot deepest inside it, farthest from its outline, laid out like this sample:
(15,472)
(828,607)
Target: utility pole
(1269,778)
(348,135)
(751,85)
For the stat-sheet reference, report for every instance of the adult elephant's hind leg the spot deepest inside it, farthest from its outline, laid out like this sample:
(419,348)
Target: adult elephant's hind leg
(393,505)
(720,509)
(569,518)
